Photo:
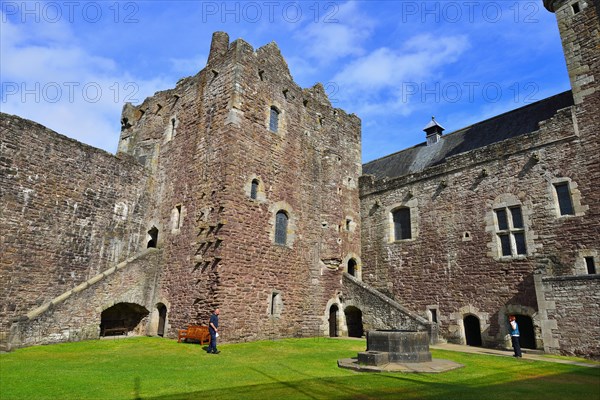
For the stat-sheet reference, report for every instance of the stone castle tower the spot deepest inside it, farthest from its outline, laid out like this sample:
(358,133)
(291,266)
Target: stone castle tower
(237,150)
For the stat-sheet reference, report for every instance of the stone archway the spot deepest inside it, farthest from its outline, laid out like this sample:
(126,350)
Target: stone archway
(162,318)
(333,321)
(472,330)
(354,321)
(526,331)
(121,318)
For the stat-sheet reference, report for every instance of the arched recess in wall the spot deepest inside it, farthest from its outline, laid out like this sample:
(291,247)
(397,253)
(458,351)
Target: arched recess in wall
(333,320)
(121,318)
(472,330)
(162,319)
(152,237)
(352,267)
(354,321)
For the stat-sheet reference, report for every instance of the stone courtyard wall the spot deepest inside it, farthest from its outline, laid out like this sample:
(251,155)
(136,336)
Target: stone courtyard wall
(68,211)
(452,264)
(76,314)
(571,307)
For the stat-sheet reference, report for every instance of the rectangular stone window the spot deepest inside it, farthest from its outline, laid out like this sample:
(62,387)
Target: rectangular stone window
(563,194)
(275,304)
(576,8)
(590,265)
(511,231)
(402,228)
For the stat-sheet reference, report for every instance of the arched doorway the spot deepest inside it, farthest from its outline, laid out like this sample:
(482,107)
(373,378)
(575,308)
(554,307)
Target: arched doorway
(472,330)
(162,318)
(333,326)
(354,321)
(121,318)
(352,267)
(526,331)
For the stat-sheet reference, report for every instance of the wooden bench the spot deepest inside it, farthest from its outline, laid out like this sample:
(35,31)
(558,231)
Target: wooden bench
(194,332)
(114,327)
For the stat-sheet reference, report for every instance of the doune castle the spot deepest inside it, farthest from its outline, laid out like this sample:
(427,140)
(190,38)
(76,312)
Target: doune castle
(240,190)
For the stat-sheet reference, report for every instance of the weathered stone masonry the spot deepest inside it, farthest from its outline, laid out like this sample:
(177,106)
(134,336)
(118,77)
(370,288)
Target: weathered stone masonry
(198,149)
(452,267)
(248,187)
(68,212)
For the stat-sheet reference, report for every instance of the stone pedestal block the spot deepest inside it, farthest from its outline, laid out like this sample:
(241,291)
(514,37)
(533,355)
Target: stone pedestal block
(373,358)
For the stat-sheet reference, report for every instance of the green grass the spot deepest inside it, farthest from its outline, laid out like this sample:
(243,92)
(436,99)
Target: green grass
(154,368)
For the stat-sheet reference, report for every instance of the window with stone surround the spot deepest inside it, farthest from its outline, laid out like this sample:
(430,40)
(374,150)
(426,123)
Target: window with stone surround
(402,221)
(510,231)
(281,225)
(254,189)
(402,225)
(563,195)
(275,304)
(274,119)
(566,198)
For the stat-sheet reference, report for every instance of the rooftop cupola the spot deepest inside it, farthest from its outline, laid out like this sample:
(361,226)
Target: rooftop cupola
(433,130)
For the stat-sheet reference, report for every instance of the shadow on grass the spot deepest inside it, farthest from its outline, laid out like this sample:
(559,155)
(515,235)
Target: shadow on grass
(403,386)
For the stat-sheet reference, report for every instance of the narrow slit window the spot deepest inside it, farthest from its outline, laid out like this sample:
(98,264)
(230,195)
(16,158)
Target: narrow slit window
(254,189)
(178,217)
(563,194)
(281,224)
(274,120)
(576,8)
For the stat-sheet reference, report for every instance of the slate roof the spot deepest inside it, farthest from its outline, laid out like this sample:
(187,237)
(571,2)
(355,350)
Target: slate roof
(504,126)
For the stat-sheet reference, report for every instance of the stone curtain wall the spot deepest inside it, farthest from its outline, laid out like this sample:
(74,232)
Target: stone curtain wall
(78,317)
(68,211)
(572,308)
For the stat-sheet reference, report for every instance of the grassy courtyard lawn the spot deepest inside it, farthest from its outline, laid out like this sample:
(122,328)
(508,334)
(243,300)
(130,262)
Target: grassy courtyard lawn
(154,368)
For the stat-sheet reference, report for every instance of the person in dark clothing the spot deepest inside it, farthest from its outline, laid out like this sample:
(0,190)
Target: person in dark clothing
(515,336)
(213,329)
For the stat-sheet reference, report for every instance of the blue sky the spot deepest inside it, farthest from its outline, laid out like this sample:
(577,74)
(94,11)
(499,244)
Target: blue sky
(70,65)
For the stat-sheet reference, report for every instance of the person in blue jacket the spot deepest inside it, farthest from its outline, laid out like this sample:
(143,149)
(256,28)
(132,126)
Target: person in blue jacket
(515,336)
(213,329)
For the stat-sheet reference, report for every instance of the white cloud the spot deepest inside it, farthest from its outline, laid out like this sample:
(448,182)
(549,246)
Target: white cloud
(381,80)
(340,32)
(48,77)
